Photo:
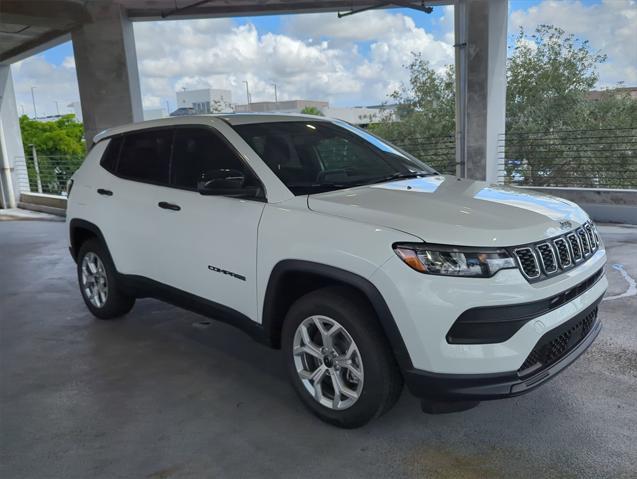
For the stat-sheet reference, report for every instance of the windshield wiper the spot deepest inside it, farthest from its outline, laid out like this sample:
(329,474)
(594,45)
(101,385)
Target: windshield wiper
(403,176)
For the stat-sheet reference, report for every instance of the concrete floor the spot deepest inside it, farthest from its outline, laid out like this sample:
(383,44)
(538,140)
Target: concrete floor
(160,395)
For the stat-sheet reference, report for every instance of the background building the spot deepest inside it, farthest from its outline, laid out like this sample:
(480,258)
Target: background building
(287,106)
(207,100)
(358,115)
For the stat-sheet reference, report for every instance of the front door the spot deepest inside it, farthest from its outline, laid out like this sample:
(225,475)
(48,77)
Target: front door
(209,242)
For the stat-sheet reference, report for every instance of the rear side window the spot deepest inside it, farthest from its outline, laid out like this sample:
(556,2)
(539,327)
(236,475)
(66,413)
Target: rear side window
(145,156)
(198,151)
(111,155)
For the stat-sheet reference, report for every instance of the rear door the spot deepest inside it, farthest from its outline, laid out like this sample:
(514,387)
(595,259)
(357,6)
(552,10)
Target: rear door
(141,178)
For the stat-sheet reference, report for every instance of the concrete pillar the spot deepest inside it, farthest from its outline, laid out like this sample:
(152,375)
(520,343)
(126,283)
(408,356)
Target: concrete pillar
(481,50)
(107,73)
(13,172)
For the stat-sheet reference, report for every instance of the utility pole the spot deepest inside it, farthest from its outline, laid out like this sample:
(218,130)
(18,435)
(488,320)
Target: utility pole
(276,99)
(57,107)
(247,92)
(167,108)
(35,112)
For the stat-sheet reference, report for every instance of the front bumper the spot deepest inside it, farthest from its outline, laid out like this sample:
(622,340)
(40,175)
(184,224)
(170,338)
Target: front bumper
(426,307)
(500,385)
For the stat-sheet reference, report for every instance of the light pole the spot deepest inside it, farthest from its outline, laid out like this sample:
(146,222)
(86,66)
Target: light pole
(57,106)
(247,91)
(276,99)
(35,112)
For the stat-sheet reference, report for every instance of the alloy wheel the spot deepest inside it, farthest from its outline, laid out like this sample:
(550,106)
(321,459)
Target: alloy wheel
(328,362)
(94,279)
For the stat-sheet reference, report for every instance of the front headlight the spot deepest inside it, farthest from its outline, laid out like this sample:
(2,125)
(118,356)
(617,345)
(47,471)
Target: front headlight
(454,261)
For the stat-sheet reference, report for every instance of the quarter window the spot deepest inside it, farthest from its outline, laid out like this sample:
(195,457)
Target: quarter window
(111,155)
(145,156)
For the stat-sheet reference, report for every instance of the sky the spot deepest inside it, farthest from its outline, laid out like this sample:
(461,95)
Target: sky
(357,60)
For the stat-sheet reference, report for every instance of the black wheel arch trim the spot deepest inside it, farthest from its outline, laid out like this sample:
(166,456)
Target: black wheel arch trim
(271,322)
(77,223)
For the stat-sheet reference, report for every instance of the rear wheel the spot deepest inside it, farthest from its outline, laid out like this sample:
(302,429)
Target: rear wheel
(98,283)
(338,358)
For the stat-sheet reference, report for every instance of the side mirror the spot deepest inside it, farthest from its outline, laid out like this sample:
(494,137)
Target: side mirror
(224,182)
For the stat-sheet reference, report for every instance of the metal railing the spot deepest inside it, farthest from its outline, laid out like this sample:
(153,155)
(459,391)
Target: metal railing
(437,152)
(601,158)
(47,173)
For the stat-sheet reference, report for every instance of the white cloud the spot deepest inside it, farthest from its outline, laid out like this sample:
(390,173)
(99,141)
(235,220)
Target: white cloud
(609,26)
(350,61)
(52,83)
(317,56)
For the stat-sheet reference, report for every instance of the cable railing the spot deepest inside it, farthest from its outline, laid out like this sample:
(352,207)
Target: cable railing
(600,158)
(438,152)
(47,173)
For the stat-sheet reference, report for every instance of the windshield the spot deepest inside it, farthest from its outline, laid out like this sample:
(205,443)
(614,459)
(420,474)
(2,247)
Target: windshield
(316,156)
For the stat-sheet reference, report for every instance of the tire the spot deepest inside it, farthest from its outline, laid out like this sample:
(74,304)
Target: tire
(372,378)
(111,303)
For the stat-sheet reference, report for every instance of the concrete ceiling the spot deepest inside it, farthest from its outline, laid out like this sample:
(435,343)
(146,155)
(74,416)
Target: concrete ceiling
(30,26)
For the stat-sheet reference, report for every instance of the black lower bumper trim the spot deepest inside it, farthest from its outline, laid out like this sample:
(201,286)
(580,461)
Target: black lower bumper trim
(482,387)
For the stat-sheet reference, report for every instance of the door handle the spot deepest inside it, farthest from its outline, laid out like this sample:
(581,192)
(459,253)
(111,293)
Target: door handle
(168,206)
(102,191)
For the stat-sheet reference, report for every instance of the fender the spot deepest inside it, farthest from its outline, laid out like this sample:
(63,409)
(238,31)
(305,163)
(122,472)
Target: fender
(272,319)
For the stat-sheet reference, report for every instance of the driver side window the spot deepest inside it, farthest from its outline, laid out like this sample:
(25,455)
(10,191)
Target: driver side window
(197,152)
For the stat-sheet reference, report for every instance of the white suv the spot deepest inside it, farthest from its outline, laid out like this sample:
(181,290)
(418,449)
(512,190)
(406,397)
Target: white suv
(367,267)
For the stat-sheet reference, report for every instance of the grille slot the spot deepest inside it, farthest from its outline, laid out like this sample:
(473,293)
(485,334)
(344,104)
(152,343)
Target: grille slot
(558,342)
(584,241)
(575,247)
(563,254)
(528,262)
(547,258)
(591,236)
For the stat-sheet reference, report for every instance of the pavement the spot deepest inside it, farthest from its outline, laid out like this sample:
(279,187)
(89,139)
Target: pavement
(13,214)
(162,394)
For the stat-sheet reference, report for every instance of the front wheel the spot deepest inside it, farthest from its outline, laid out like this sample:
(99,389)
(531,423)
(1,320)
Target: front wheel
(98,282)
(338,358)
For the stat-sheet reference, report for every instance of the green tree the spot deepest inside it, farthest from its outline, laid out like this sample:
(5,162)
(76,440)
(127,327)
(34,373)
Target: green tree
(423,120)
(311,110)
(549,76)
(556,134)
(60,150)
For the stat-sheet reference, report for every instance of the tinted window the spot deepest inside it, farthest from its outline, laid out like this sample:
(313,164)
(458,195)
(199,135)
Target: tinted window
(109,160)
(321,156)
(145,156)
(198,151)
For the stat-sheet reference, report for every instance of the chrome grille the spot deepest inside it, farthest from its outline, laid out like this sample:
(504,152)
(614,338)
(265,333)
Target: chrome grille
(547,258)
(591,237)
(584,241)
(576,249)
(528,262)
(539,260)
(563,253)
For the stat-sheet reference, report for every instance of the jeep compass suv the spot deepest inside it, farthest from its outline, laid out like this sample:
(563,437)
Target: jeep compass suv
(364,265)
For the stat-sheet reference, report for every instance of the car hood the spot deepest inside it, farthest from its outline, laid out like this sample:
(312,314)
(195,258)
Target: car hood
(450,210)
